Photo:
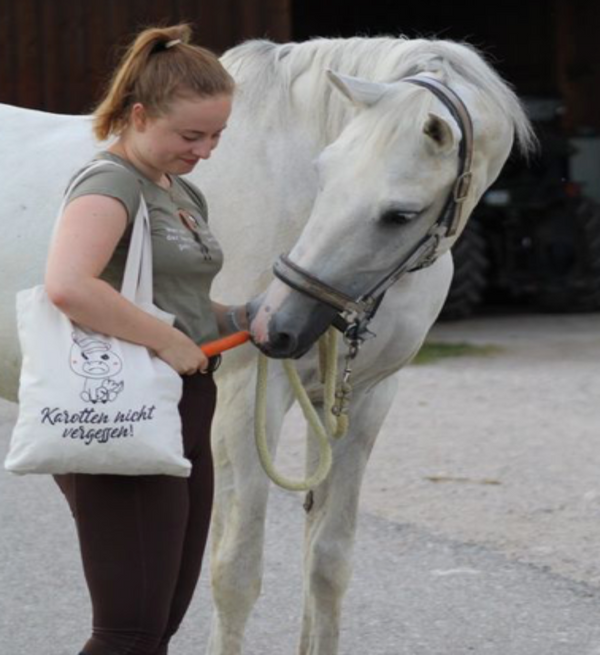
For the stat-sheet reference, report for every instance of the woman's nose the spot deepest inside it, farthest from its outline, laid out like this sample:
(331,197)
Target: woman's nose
(203,150)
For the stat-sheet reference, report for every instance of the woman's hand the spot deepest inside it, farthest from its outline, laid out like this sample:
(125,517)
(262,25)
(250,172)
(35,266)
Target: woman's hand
(231,318)
(182,354)
(238,318)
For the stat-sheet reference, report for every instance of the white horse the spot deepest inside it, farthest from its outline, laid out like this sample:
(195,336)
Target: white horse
(346,171)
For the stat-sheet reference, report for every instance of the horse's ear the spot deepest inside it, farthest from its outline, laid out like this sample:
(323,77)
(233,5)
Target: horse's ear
(360,92)
(440,131)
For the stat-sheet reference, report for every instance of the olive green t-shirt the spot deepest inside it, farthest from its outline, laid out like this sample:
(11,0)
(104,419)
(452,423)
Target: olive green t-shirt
(186,256)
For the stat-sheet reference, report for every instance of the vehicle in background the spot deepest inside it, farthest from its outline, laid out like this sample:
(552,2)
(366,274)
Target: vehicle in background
(534,238)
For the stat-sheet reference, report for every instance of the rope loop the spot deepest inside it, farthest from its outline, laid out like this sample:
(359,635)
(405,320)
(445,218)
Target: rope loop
(335,426)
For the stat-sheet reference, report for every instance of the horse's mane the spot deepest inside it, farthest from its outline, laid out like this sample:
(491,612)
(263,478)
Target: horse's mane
(267,70)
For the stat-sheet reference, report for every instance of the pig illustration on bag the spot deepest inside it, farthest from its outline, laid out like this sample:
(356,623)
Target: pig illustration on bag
(93,359)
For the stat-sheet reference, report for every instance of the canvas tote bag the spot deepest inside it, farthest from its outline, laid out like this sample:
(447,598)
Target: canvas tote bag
(90,403)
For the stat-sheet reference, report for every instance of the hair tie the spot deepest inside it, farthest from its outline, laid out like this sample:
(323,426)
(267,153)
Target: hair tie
(170,44)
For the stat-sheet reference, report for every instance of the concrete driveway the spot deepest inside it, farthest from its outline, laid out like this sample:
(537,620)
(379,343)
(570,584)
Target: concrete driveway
(480,524)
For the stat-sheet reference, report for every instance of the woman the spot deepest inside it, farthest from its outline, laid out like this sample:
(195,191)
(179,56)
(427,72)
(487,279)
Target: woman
(142,538)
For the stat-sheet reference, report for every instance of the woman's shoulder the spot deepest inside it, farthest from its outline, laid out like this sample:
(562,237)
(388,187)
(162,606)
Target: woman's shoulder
(105,175)
(105,166)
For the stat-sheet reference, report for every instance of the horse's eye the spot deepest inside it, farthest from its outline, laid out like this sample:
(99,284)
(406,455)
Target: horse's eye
(396,217)
(105,357)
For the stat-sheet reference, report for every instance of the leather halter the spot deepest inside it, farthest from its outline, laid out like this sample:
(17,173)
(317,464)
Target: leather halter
(357,312)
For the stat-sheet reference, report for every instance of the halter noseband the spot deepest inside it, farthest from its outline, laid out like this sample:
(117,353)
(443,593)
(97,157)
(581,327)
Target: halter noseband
(356,313)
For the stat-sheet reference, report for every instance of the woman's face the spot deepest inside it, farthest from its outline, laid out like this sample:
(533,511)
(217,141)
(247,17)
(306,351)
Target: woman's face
(176,141)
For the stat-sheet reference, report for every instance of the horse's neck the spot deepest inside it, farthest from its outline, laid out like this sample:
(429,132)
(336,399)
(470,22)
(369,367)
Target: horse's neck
(260,186)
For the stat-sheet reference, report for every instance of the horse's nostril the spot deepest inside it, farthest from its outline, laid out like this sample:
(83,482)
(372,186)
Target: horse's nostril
(282,344)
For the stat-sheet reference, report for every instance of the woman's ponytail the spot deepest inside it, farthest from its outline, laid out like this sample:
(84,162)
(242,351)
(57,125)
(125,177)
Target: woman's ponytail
(159,65)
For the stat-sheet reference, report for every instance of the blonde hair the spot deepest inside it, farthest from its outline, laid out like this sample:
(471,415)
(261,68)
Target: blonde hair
(160,65)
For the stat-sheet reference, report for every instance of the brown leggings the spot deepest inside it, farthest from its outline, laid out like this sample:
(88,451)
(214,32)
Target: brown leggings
(142,538)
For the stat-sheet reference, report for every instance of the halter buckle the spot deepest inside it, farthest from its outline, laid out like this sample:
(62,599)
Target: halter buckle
(462,186)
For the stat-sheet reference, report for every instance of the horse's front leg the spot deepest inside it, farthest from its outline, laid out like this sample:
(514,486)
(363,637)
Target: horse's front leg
(239,509)
(331,521)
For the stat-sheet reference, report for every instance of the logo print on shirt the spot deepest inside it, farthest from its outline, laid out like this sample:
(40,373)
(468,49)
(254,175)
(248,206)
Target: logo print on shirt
(191,224)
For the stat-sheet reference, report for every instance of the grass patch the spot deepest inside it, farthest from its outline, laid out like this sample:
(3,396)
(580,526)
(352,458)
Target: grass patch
(432,351)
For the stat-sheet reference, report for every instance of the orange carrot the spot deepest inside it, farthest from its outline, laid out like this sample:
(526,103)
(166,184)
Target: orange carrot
(213,348)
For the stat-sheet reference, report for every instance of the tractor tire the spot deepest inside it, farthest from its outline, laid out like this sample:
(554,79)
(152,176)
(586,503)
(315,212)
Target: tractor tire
(471,265)
(574,259)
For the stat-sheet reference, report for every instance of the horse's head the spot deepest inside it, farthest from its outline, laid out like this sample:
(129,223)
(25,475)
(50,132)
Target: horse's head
(384,183)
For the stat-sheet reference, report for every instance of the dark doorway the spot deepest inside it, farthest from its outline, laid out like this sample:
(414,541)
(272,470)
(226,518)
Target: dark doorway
(519,37)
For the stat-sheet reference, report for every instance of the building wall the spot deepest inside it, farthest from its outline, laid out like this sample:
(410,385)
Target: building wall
(56,55)
(578,31)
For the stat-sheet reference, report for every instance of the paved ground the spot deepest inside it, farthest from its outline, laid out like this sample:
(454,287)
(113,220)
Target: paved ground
(480,525)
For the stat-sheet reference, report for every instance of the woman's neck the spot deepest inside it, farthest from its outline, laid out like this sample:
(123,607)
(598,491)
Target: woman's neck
(124,150)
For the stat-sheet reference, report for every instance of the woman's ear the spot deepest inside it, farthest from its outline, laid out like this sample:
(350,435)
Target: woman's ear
(138,117)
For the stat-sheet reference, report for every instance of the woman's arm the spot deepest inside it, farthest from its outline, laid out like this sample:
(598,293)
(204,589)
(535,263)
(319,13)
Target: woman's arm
(87,236)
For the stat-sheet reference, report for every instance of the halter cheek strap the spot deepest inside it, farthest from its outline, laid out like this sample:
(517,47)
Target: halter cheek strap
(452,211)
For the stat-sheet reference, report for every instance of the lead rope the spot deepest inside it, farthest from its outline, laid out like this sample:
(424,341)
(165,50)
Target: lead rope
(336,407)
